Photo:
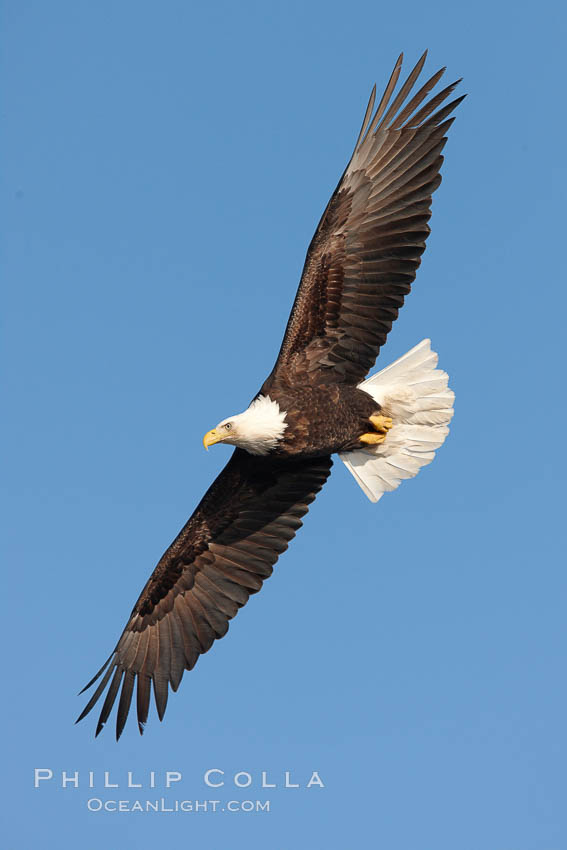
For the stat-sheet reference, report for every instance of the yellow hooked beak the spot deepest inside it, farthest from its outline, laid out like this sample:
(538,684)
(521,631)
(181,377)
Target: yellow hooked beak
(212,437)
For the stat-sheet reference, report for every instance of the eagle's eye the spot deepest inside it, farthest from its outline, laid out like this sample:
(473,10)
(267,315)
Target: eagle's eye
(228,426)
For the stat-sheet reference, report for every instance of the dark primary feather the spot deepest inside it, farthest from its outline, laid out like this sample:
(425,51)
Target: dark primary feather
(223,554)
(365,252)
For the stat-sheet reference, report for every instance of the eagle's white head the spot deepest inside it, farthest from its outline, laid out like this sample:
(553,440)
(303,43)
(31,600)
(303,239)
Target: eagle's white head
(258,429)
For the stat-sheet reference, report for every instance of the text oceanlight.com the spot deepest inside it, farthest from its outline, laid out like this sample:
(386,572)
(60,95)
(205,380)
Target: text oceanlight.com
(95,804)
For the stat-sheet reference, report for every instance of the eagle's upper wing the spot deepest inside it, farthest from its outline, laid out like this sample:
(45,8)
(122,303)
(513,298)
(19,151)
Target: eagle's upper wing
(222,555)
(363,258)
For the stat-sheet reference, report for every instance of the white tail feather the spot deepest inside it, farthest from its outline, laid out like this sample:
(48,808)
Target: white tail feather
(414,393)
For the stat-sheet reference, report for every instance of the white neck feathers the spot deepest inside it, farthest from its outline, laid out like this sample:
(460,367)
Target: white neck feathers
(260,428)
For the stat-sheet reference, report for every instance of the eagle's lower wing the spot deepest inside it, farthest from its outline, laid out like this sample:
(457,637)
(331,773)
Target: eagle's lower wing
(223,554)
(363,258)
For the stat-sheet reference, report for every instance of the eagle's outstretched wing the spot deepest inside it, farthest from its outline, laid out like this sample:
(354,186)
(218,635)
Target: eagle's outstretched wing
(223,554)
(363,258)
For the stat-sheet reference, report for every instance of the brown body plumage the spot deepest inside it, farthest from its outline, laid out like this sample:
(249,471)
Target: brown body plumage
(359,268)
(323,420)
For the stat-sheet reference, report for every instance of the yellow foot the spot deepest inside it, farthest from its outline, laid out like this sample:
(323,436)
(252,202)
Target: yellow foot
(373,439)
(381,424)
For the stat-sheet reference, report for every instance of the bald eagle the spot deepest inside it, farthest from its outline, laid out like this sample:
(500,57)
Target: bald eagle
(315,403)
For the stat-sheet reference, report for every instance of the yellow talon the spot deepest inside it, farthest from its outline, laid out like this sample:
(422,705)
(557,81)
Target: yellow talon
(381,424)
(373,439)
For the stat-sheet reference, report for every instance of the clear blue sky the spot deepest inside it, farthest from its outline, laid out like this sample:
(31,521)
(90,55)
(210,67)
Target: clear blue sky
(164,166)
